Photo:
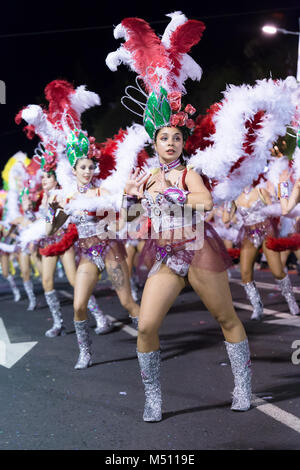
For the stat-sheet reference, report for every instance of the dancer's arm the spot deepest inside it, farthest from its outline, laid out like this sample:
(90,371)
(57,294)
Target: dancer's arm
(198,194)
(228,212)
(287,202)
(55,217)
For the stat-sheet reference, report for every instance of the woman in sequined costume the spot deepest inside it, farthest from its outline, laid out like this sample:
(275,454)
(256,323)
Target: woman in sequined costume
(6,248)
(67,258)
(173,261)
(97,253)
(252,236)
(27,255)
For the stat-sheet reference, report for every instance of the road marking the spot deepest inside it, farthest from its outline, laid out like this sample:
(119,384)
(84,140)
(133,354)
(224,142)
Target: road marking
(276,413)
(10,353)
(261,405)
(266,285)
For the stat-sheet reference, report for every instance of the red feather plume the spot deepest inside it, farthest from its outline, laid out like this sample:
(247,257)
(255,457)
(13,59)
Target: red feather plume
(65,243)
(284,243)
(145,47)
(58,93)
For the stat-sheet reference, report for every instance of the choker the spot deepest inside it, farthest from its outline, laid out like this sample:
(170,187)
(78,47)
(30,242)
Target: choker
(169,166)
(83,189)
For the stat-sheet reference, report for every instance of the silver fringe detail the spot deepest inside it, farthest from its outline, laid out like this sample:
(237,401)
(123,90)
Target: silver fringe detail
(255,300)
(28,286)
(54,307)
(84,343)
(287,292)
(14,288)
(104,325)
(239,356)
(150,372)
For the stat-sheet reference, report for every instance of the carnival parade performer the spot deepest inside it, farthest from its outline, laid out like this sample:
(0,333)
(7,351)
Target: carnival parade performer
(103,324)
(24,197)
(97,251)
(66,105)
(6,248)
(163,66)
(257,226)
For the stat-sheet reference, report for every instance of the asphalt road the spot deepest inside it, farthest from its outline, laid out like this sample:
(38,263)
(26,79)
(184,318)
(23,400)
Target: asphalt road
(48,405)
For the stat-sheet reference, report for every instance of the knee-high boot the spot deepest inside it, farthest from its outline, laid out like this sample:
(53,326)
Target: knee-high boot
(287,292)
(255,300)
(54,307)
(14,288)
(84,343)
(30,294)
(150,372)
(239,356)
(103,324)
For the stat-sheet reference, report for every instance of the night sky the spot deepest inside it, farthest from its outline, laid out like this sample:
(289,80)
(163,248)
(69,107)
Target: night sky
(41,42)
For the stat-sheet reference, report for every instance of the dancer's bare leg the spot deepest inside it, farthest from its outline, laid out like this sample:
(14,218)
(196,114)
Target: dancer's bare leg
(274,262)
(5,265)
(24,263)
(68,262)
(248,255)
(159,294)
(37,261)
(131,250)
(48,271)
(284,256)
(119,277)
(214,291)
(25,267)
(85,281)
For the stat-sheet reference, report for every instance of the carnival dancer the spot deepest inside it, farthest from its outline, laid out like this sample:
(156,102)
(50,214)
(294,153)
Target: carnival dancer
(103,324)
(27,204)
(171,187)
(256,228)
(97,250)
(6,248)
(47,125)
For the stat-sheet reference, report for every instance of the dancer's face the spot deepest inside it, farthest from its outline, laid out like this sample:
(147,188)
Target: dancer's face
(48,181)
(84,171)
(169,144)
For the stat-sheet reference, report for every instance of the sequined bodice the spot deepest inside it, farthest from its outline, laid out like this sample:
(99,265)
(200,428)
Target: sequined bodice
(163,216)
(88,225)
(253,214)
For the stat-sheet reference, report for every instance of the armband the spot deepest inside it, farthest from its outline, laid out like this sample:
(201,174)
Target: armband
(283,190)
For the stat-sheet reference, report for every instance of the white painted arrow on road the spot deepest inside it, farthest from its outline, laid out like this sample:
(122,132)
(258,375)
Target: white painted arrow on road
(10,353)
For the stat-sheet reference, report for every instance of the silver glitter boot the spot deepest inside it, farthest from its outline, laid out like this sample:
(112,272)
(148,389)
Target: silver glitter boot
(30,294)
(54,306)
(287,292)
(150,372)
(103,323)
(84,343)
(239,356)
(14,288)
(255,300)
